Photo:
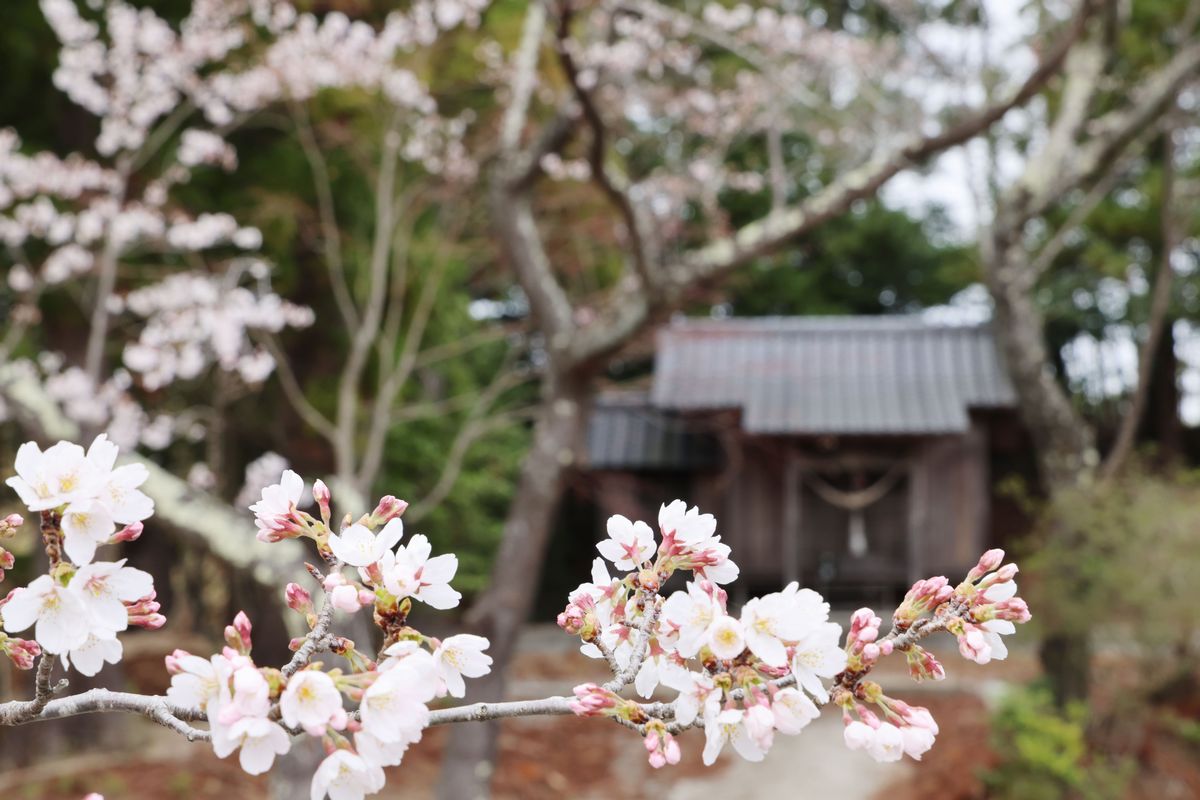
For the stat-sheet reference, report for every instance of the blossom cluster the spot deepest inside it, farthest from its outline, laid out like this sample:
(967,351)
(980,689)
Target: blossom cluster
(255,710)
(193,319)
(978,611)
(85,501)
(167,97)
(763,672)
(744,678)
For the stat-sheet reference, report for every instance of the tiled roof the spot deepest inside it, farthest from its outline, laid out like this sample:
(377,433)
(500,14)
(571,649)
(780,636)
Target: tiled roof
(626,432)
(838,375)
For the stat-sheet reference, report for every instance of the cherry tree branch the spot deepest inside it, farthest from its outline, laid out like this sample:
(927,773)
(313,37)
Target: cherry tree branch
(330,235)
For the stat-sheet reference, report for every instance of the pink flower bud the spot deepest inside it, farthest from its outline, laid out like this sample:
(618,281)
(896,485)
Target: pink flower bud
(9,524)
(130,533)
(296,643)
(572,619)
(237,635)
(142,606)
(345,598)
(1006,573)
(922,665)
(174,659)
(870,653)
(322,497)
(6,561)
(389,508)
(150,622)
(987,562)
(21,652)
(298,598)
(1014,609)
(886,647)
(592,700)
(973,646)
(672,750)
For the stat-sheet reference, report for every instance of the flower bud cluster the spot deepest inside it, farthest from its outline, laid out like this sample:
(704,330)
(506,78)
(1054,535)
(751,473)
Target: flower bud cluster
(924,597)
(898,730)
(8,528)
(988,609)
(863,645)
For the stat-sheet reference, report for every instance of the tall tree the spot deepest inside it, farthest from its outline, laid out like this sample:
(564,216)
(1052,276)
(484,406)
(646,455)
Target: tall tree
(625,74)
(1104,116)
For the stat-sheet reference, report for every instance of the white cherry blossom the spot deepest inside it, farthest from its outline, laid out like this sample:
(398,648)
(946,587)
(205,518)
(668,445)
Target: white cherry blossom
(346,776)
(459,656)
(104,587)
(410,572)
(726,639)
(86,525)
(60,475)
(260,740)
(60,617)
(312,701)
(359,547)
(728,726)
(818,654)
(693,611)
(629,544)
(394,707)
(698,695)
(792,711)
(91,656)
(273,512)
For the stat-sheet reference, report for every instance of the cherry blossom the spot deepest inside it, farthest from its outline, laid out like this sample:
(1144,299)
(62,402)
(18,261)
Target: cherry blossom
(729,726)
(105,588)
(312,701)
(359,547)
(816,655)
(629,544)
(86,525)
(698,696)
(274,513)
(394,709)
(59,614)
(726,638)
(792,711)
(344,775)
(260,740)
(410,572)
(459,656)
(60,475)
(693,613)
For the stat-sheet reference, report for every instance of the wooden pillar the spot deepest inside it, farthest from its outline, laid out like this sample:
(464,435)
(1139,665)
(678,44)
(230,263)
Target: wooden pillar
(918,511)
(792,497)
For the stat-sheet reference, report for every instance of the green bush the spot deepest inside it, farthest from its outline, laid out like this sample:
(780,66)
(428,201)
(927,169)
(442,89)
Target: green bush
(1044,753)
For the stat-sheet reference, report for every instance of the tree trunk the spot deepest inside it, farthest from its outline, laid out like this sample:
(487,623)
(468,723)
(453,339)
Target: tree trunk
(1065,443)
(1162,424)
(499,613)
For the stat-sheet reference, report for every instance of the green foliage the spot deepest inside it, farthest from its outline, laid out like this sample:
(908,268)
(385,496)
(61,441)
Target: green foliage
(1044,754)
(1122,556)
(874,260)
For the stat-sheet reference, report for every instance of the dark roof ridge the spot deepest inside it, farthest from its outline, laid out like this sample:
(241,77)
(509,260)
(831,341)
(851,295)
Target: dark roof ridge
(878,323)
